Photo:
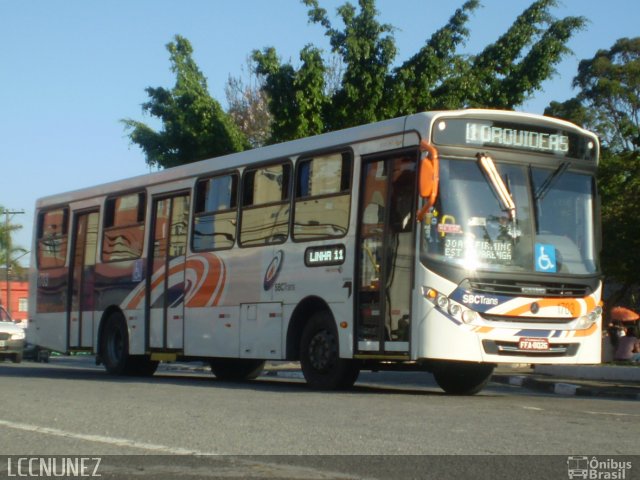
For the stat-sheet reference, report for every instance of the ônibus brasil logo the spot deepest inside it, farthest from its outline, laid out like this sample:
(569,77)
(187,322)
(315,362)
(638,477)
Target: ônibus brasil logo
(271,275)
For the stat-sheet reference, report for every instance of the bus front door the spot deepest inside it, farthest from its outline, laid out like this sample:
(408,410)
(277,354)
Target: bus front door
(385,255)
(166,275)
(81,283)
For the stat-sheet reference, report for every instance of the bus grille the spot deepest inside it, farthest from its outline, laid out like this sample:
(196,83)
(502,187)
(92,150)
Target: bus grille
(504,318)
(511,348)
(527,289)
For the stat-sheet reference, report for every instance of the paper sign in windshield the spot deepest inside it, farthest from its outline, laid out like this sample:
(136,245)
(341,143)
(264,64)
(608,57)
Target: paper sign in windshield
(482,250)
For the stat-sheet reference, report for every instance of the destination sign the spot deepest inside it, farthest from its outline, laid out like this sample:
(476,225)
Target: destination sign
(516,136)
(478,133)
(324,256)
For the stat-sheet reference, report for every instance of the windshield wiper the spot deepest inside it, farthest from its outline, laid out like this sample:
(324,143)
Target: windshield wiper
(550,180)
(499,187)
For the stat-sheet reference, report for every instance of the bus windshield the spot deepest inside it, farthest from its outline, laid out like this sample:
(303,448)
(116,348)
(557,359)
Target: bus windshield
(550,232)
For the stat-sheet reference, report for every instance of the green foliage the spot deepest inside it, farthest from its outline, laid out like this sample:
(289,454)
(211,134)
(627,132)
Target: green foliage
(609,103)
(503,75)
(296,98)
(194,126)
(10,253)
(610,85)
(436,76)
(619,182)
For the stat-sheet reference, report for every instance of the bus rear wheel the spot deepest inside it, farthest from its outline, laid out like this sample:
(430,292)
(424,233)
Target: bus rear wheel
(236,369)
(462,378)
(320,360)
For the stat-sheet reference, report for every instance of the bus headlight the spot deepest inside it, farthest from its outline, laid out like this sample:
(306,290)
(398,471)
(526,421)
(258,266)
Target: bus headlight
(442,301)
(448,306)
(454,309)
(586,321)
(469,316)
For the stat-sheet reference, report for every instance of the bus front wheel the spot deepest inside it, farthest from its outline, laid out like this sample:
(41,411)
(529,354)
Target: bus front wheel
(115,351)
(320,359)
(115,345)
(462,378)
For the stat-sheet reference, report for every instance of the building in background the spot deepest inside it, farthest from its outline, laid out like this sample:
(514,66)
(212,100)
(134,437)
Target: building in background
(18,295)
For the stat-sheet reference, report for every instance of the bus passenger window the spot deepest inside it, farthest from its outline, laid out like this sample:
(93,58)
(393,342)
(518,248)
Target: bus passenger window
(265,205)
(123,236)
(216,206)
(53,238)
(323,197)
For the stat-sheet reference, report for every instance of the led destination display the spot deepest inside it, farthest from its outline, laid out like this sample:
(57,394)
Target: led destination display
(324,256)
(514,136)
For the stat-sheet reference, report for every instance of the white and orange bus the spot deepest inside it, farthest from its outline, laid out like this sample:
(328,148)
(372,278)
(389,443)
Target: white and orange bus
(445,241)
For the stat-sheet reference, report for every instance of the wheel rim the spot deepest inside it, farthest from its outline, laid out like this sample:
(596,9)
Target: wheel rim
(323,351)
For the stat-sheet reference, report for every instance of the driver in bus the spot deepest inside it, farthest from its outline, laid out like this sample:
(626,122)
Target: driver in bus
(402,195)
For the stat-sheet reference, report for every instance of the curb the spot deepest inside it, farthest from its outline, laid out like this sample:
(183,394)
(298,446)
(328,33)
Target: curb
(567,389)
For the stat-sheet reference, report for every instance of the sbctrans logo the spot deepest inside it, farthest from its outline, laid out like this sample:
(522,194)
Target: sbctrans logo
(598,468)
(273,270)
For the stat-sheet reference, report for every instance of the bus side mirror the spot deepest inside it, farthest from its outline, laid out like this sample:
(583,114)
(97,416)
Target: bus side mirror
(429,173)
(426,178)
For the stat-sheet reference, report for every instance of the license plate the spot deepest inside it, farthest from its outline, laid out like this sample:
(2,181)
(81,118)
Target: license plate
(534,344)
(3,343)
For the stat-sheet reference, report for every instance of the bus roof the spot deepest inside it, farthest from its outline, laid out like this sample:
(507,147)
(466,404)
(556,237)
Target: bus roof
(418,122)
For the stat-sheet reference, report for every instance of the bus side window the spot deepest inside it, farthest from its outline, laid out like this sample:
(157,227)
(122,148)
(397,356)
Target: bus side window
(53,234)
(264,218)
(216,209)
(123,235)
(323,197)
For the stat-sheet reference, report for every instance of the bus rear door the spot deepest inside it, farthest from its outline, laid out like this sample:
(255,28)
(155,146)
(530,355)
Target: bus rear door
(166,275)
(82,279)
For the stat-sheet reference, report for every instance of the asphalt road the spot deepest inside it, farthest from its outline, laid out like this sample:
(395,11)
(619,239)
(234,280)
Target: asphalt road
(71,407)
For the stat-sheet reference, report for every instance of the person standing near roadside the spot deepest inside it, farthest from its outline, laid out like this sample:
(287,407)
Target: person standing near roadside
(628,347)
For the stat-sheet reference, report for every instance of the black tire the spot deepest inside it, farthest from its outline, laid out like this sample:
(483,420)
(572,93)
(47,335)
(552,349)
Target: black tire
(462,378)
(42,356)
(236,369)
(17,358)
(322,366)
(114,351)
(114,345)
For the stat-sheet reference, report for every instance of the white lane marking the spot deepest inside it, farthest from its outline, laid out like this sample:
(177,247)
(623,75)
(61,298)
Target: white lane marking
(615,414)
(240,469)
(119,442)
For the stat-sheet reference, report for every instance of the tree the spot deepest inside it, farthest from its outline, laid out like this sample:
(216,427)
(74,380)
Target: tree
(296,98)
(502,75)
(248,106)
(195,126)
(608,102)
(9,253)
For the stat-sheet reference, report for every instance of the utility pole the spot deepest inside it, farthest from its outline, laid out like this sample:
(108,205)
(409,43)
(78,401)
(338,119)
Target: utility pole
(7,214)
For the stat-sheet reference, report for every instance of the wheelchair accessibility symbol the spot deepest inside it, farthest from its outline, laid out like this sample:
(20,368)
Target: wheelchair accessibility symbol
(545,258)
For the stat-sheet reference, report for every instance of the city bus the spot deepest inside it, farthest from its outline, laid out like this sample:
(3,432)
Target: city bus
(448,242)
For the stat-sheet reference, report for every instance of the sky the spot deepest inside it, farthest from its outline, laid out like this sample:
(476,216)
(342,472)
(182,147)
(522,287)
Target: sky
(70,70)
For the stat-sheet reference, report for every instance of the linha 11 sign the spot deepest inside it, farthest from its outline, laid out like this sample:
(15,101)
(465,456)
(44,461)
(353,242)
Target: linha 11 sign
(325,255)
